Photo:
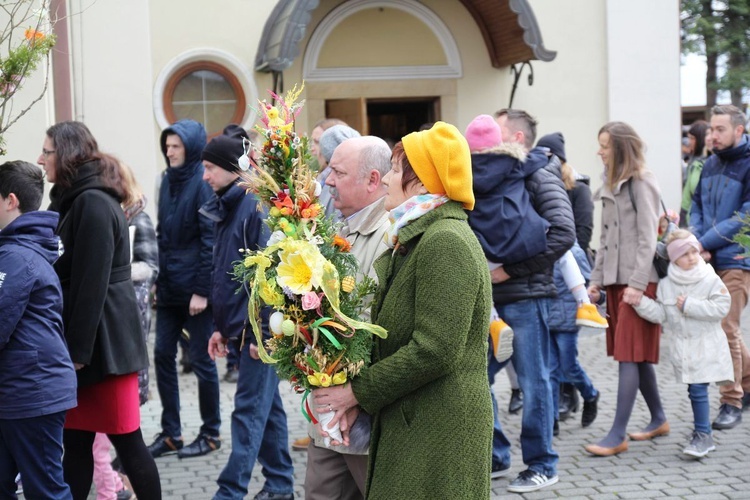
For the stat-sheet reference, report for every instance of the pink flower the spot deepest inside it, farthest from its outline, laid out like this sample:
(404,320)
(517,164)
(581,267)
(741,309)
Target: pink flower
(310,300)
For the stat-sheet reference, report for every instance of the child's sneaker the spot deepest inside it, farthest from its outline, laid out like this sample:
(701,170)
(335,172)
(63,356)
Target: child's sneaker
(700,444)
(588,315)
(501,335)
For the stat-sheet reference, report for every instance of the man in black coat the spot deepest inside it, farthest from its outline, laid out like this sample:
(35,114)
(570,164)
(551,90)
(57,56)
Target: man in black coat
(521,293)
(259,428)
(186,241)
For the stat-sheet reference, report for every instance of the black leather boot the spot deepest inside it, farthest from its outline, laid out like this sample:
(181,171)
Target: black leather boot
(590,410)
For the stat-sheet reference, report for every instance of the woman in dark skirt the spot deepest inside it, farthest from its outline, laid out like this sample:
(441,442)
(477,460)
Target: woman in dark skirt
(100,313)
(624,268)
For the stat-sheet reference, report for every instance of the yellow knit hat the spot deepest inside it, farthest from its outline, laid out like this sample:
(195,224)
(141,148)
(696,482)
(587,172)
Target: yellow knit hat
(441,159)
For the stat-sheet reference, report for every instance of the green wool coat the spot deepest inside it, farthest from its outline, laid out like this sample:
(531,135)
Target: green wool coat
(427,387)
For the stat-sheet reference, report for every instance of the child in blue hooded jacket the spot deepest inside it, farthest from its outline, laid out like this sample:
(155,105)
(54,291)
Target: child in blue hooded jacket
(37,378)
(505,222)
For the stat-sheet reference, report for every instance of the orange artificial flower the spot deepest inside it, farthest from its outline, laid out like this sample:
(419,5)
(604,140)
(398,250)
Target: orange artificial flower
(342,243)
(33,35)
(310,212)
(284,203)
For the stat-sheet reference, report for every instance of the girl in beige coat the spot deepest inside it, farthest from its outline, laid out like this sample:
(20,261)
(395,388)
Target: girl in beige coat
(691,302)
(624,267)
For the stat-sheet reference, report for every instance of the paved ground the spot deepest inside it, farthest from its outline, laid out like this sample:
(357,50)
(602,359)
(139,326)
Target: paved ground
(648,469)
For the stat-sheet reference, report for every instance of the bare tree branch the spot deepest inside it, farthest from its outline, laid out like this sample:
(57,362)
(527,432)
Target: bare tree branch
(28,43)
(26,110)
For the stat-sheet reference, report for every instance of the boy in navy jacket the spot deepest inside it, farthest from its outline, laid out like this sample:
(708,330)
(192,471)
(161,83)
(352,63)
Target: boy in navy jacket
(37,378)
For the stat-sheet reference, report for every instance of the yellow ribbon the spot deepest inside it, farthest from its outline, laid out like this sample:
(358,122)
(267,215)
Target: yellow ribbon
(253,310)
(330,286)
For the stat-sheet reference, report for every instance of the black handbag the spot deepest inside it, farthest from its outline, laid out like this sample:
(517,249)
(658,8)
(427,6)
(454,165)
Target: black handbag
(661,258)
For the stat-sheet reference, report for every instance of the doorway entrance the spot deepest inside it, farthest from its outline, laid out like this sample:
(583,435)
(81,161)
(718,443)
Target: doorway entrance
(387,118)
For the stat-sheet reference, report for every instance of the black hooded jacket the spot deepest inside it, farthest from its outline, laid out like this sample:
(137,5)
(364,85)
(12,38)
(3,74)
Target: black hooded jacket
(185,237)
(583,210)
(533,277)
(503,220)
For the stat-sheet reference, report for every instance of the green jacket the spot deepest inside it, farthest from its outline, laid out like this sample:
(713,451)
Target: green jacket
(692,177)
(427,386)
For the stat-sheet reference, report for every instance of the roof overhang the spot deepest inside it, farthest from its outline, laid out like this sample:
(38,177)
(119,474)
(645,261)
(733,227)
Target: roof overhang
(510,31)
(509,28)
(282,33)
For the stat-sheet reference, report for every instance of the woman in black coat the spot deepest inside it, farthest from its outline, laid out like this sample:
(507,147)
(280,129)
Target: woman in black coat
(100,314)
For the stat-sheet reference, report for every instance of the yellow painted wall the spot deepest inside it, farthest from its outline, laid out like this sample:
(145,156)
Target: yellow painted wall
(381,37)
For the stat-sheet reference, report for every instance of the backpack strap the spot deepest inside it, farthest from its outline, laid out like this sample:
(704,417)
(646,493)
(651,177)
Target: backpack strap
(632,198)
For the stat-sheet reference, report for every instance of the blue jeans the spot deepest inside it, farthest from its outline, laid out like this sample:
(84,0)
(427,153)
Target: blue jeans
(33,447)
(259,432)
(170,320)
(699,400)
(564,367)
(500,443)
(531,359)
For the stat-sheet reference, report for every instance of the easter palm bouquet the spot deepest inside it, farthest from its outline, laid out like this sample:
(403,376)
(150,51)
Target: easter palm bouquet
(306,272)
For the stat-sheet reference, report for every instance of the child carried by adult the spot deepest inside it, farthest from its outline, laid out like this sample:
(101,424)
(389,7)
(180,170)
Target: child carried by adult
(506,224)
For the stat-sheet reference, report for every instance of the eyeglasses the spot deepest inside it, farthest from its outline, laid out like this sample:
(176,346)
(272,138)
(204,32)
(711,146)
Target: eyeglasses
(47,152)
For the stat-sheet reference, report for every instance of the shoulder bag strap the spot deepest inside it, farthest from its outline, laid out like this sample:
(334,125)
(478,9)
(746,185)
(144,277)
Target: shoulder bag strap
(632,198)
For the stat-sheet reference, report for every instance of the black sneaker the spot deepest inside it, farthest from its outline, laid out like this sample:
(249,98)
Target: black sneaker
(516,401)
(203,445)
(232,375)
(569,401)
(530,480)
(499,470)
(124,494)
(164,445)
(267,495)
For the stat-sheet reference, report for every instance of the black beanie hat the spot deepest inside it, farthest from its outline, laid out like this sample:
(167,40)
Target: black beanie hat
(555,142)
(225,150)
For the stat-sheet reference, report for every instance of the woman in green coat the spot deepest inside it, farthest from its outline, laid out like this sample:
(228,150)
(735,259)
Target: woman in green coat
(426,388)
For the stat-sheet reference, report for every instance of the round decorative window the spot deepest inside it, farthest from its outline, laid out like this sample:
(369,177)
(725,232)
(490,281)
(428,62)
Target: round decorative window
(206,92)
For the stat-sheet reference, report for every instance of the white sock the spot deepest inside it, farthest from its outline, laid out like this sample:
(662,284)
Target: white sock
(581,295)
(493,315)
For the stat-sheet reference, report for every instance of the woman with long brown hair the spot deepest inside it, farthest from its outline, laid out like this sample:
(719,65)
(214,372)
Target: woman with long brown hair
(100,314)
(624,267)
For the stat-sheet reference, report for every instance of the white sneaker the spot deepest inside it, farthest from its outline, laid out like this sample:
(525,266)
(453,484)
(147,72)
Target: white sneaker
(700,444)
(530,480)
